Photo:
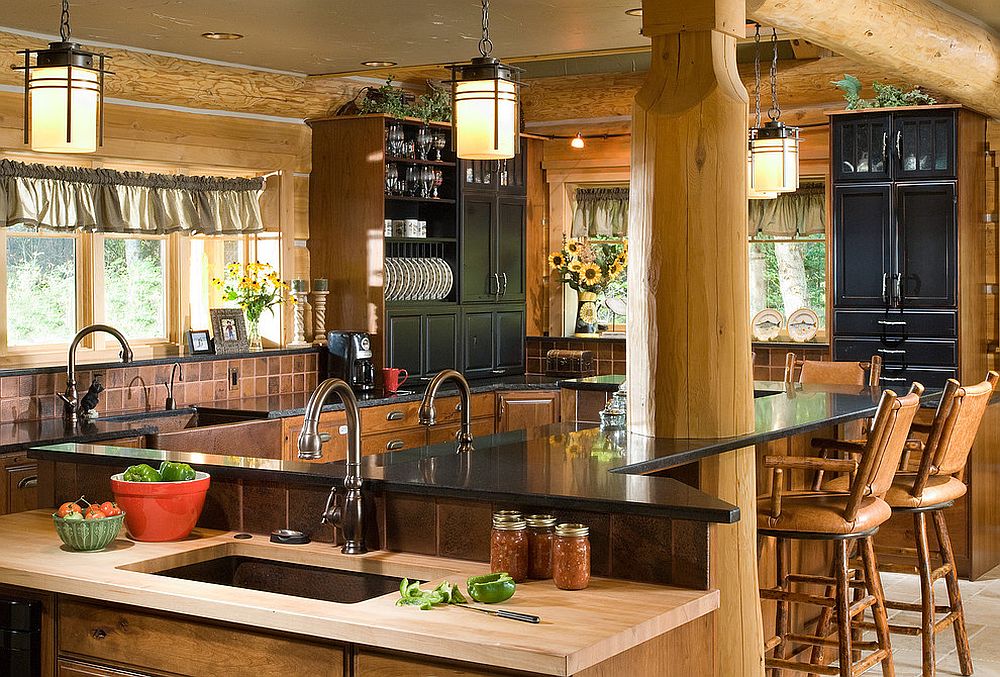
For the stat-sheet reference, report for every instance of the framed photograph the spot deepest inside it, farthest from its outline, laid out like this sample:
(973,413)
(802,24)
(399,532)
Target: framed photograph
(229,328)
(200,342)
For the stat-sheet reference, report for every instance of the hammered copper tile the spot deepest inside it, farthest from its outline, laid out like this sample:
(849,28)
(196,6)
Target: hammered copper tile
(206,371)
(604,367)
(285,384)
(64,483)
(207,390)
(220,369)
(223,506)
(46,406)
(264,507)
(464,529)
(273,365)
(311,380)
(221,390)
(273,385)
(640,548)
(113,400)
(26,386)
(618,367)
(305,509)
(286,364)
(410,524)
(600,533)
(311,361)
(248,368)
(298,364)
(298,383)
(8,386)
(94,481)
(690,552)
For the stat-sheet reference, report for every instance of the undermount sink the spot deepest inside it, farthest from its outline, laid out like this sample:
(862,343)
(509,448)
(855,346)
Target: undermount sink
(286,578)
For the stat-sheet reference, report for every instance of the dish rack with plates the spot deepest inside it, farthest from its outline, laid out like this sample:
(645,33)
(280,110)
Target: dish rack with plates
(419,271)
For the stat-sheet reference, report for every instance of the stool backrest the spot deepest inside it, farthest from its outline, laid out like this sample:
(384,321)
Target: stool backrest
(889,432)
(956,423)
(833,373)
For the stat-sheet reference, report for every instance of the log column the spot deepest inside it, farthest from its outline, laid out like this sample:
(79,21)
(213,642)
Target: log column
(689,370)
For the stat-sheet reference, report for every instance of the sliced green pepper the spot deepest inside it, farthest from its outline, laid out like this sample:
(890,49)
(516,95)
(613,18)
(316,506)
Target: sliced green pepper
(491,588)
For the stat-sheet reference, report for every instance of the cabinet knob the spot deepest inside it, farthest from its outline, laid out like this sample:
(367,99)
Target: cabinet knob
(395,415)
(99,633)
(28,482)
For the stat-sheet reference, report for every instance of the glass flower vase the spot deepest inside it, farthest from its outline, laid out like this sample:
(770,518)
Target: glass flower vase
(254,342)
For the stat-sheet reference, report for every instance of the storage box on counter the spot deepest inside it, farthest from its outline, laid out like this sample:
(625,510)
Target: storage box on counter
(569,363)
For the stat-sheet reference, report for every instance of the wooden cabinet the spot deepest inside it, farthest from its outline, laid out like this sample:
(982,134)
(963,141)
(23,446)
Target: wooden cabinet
(519,410)
(370,663)
(506,176)
(333,423)
(73,668)
(18,483)
(926,245)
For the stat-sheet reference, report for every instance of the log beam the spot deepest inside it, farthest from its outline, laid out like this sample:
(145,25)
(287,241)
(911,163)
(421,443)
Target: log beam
(917,40)
(688,358)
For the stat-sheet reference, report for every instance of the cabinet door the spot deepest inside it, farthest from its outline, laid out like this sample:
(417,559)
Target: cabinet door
(509,327)
(479,279)
(478,174)
(477,338)
(927,244)
(511,173)
(440,342)
(511,219)
(404,339)
(924,145)
(862,245)
(521,410)
(861,147)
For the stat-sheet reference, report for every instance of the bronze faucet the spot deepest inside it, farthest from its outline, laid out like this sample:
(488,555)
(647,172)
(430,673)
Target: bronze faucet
(349,515)
(71,398)
(428,416)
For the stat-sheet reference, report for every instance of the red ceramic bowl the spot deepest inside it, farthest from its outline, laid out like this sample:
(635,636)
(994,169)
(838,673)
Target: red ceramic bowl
(160,511)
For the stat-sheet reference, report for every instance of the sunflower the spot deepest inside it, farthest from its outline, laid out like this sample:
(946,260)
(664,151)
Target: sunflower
(556,260)
(590,274)
(573,245)
(576,265)
(615,270)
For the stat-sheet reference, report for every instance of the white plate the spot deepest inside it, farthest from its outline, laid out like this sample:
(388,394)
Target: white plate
(419,281)
(443,283)
(407,277)
(394,286)
(803,325)
(766,324)
(387,279)
(439,279)
(449,278)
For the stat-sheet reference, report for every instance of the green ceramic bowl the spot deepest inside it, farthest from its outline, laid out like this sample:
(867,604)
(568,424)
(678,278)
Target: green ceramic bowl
(88,535)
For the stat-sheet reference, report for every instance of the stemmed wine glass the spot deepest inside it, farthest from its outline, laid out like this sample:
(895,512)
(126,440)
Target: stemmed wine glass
(427,178)
(394,139)
(391,178)
(412,181)
(440,141)
(425,139)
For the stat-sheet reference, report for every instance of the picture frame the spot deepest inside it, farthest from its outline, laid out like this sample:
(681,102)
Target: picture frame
(229,330)
(200,342)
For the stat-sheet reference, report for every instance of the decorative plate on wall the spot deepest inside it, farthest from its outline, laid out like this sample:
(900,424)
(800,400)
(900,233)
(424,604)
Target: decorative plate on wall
(803,325)
(766,324)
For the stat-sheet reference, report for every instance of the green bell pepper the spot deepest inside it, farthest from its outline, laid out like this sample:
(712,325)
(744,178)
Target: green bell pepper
(491,588)
(141,473)
(175,472)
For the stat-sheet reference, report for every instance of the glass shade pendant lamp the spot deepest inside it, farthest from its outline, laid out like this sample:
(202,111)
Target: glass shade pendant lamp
(774,147)
(753,193)
(63,95)
(485,100)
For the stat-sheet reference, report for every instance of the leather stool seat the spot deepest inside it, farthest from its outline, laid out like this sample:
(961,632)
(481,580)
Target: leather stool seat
(940,489)
(821,513)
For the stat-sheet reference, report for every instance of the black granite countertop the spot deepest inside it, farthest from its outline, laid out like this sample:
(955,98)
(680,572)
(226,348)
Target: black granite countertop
(20,435)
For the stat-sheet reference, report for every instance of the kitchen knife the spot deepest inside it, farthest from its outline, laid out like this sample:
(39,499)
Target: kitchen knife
(502,613)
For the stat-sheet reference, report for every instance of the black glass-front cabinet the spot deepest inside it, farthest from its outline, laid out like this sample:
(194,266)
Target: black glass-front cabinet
(895,243)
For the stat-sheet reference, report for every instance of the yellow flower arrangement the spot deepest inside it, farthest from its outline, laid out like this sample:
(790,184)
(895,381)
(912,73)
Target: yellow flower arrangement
(587,266)
(556,260)
(591,274)
(254,287)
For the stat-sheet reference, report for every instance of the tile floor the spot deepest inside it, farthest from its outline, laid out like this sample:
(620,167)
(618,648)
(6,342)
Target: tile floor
(982,610)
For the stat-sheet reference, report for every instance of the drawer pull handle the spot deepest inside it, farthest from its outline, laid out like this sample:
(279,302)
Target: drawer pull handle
(891,351)
(891,323)
(393,445)
(499,371)
(28,482)
(890,379)
(324,437)
(99,633)
(395,416)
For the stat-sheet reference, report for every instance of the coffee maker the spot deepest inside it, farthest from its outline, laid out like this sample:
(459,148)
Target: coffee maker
(351,359)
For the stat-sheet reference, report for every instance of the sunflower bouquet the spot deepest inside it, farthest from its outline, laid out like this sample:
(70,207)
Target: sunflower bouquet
(589,268)
(255,288)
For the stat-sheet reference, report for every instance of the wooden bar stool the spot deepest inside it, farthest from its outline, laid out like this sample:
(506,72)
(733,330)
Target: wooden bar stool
(833,373)
(933,487)
(845,518)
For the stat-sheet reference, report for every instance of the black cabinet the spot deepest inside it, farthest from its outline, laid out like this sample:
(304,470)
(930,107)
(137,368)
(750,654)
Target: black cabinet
(924,145)
(493,340)
(422,341)
(861,147)
(503,176)
(927,245)
(862,245)
(902,145)
(493,234)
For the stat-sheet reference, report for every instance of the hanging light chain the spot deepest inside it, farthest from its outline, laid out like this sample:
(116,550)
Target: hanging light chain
(774,112)
(486,45)
(756,74)
(64,31)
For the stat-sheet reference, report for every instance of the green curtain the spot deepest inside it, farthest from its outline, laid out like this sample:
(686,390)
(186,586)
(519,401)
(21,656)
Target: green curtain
(601,212)
(107,201)
(790,214)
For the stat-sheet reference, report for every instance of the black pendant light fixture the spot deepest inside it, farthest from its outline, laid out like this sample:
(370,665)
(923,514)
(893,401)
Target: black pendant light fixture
(753,193)
(63,95)
(774,147)
(485,100)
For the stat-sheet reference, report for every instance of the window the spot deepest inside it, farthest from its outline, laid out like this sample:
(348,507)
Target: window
(135,286)
(41,299)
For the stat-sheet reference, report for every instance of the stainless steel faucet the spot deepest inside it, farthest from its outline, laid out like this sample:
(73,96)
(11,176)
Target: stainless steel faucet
(348,515)
(175,371)
(71,398)
(427,415)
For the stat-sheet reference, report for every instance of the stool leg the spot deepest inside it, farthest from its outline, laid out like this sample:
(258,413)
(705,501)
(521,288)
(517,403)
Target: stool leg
(843,607)
(874,583)
(954,593)
(781,606)
(926,594)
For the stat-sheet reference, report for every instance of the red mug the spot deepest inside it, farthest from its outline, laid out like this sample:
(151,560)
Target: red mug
(393,378)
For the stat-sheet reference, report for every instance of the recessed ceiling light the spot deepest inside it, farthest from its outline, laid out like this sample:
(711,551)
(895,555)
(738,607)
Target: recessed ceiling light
(378,64)
(635,11)
(221,36)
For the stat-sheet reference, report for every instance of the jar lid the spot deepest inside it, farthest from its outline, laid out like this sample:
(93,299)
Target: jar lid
(509,523)
(507,513)
(572,530)
(541,520)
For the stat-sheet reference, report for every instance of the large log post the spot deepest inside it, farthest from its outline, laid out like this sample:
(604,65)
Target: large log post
(918,41)
(689,368)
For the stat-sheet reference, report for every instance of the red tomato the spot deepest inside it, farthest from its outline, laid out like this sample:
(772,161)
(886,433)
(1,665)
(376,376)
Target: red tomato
(112,510)
(106,507)
(94,512)
(67,508)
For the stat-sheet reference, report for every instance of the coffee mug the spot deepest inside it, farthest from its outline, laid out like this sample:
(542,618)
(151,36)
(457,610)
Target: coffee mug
(393,379)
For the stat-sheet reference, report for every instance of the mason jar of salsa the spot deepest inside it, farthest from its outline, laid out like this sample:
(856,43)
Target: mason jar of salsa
(509,547)
(541,534)
(571,557)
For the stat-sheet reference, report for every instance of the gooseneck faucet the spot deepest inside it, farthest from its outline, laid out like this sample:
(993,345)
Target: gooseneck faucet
(348,515)
(71,398)
(427,415)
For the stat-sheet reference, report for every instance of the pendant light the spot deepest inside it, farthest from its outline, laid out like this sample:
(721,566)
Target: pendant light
(753,193)
(577,141)
(485,100)
(63,95)
(774,147)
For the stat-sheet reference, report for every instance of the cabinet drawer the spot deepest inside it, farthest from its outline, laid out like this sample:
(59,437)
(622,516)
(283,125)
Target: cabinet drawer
(930,377)
(932,324)
(393,441)
(481,427)
(22,487)
(909,352)
(376,664)
(176,644)
(449,412)
(389,417)
(334,423)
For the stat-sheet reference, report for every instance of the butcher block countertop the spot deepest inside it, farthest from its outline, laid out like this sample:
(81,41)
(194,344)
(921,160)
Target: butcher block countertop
(578,629)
